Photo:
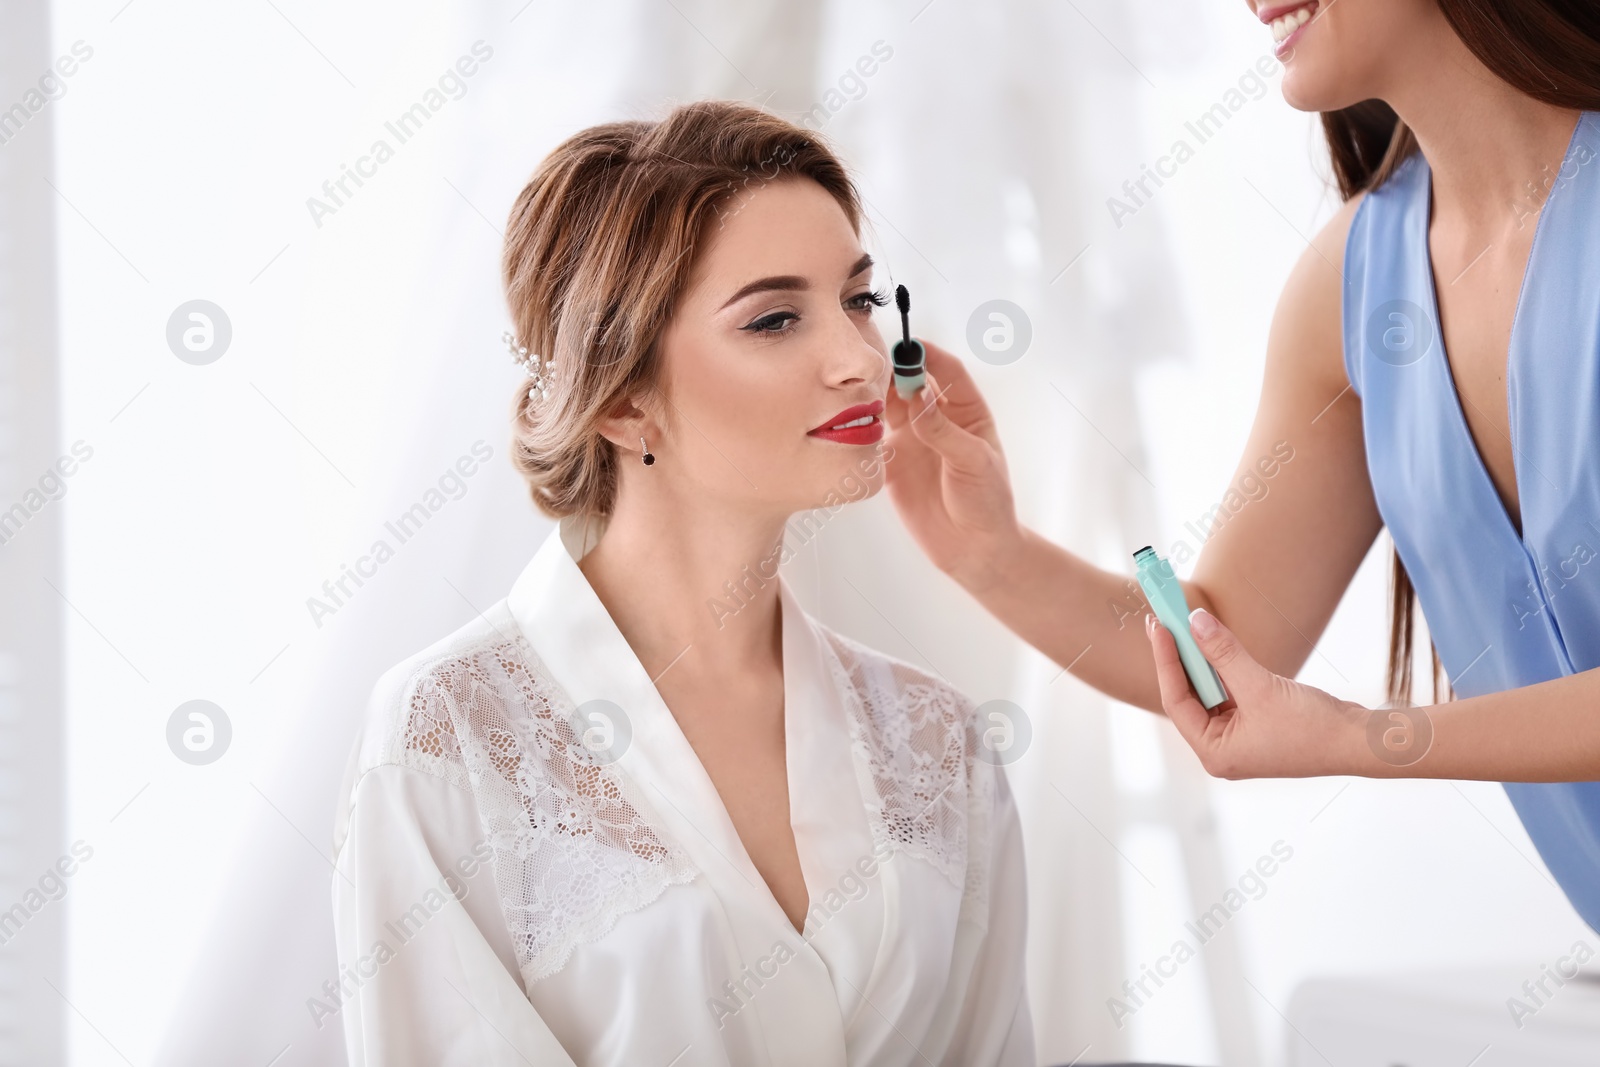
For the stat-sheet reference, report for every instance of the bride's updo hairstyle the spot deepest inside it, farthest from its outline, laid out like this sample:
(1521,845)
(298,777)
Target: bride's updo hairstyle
(599,247)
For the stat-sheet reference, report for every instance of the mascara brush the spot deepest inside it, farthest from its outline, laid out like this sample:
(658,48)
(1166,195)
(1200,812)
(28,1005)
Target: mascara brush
(909,356)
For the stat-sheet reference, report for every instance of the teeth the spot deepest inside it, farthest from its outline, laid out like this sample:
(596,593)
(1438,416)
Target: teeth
(1283,26)
(864,420)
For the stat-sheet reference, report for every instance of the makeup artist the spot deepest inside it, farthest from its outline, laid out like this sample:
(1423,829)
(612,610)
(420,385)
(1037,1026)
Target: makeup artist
(1447,388)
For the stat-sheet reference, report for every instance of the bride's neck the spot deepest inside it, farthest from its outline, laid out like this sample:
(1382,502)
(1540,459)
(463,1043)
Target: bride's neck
(665,579)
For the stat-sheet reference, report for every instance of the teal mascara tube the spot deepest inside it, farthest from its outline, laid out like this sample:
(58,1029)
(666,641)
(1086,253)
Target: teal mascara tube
(1162,589)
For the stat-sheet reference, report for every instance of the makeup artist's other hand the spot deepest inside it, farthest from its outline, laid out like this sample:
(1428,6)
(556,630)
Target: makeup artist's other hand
(1270,726)
(948,477)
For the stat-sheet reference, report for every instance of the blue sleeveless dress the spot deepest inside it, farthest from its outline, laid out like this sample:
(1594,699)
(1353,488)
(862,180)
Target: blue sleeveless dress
(1505,610)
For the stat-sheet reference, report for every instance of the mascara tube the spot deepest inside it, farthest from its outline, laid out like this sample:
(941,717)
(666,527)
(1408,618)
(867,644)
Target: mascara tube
(1166,598)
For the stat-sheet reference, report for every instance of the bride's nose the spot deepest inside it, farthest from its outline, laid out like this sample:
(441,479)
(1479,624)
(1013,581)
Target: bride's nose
(851,357)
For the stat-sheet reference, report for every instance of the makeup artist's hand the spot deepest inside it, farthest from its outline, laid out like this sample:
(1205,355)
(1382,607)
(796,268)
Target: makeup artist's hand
(1270,726)
(947,476)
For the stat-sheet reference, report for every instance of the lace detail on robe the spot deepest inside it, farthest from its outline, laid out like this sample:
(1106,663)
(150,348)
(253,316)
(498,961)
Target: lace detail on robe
(571,853)
(918,739)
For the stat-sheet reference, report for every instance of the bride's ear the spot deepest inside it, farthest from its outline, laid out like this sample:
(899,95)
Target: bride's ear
(629,419)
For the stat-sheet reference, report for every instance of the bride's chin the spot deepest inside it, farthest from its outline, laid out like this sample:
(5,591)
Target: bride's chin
(840,474)
(853,486)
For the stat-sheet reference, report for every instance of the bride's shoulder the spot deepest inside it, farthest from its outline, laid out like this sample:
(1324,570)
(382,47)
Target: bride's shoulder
(415,709)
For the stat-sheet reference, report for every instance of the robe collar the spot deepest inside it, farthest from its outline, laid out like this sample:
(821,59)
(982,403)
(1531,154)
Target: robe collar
(571,631)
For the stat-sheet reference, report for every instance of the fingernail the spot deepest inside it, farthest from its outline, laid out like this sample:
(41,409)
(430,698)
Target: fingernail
(1149,625)
(1202,623)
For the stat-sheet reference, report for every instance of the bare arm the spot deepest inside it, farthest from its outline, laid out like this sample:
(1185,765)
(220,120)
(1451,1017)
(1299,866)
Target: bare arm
(1274,571)
(1269,578)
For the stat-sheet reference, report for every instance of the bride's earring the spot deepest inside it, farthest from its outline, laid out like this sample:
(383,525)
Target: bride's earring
(649,457)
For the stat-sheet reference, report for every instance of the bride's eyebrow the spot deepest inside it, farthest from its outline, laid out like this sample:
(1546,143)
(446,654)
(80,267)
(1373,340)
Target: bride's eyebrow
(789,283)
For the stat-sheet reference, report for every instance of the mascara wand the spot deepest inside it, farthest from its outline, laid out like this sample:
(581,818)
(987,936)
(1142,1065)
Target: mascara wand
(909,356)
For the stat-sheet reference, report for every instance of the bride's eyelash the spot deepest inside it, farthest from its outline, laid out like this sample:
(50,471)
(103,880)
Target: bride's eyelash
(767,323)
(778,321)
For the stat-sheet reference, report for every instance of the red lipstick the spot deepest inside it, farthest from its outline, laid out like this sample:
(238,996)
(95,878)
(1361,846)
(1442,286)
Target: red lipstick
(868,433)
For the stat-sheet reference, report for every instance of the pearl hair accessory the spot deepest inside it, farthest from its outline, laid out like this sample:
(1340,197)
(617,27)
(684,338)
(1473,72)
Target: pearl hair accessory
(541,375)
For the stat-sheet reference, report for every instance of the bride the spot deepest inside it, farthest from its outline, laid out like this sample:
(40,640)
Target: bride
(645,810)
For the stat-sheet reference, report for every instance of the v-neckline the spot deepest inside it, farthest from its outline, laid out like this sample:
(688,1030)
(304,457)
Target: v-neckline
(605,662)
(1517,529)
(712,798)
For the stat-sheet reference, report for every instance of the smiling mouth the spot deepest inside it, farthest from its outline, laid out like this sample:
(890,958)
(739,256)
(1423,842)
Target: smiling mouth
(1284,26)
(860,424)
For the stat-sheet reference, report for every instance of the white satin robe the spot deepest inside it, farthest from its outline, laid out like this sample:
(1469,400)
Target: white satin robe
(508,891)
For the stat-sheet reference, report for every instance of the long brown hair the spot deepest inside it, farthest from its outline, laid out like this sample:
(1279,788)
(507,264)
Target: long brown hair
(599,246)
(1548,49)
